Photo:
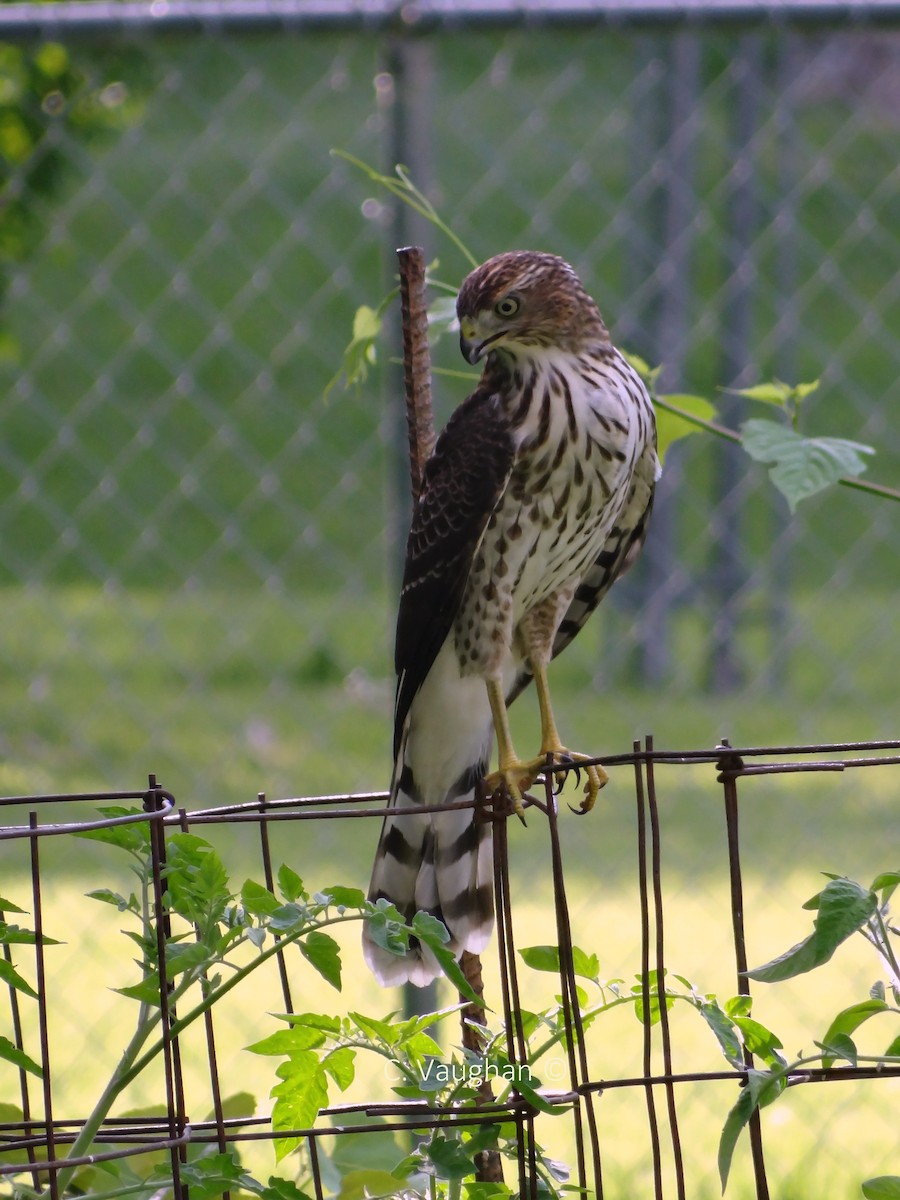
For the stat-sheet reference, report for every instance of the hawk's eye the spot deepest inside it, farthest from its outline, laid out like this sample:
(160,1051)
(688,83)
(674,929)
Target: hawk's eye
(507,307)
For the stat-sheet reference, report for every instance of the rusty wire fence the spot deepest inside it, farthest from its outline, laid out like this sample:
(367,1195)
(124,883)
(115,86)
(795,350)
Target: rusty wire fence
(627,1095)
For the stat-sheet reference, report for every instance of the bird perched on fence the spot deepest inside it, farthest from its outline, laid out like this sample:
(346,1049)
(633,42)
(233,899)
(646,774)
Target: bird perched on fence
(533,502)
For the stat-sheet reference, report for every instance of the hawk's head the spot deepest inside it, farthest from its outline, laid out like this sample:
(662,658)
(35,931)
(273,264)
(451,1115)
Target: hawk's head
(522,301)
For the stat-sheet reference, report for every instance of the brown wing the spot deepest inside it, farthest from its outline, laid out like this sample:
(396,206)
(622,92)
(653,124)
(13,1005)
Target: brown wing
(618,554)
(463,480)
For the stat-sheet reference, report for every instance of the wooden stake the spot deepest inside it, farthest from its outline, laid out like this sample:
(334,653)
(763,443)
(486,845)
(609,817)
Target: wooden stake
(420,427)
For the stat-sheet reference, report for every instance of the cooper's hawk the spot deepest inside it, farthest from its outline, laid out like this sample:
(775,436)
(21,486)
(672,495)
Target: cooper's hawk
(534,501)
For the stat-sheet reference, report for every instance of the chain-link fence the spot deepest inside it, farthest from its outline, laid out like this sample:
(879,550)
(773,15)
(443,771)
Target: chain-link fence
(199,549)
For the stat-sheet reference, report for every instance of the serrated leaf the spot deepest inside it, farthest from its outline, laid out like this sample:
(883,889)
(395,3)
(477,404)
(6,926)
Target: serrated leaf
(768,393)
(322,1021)
(14,935)
(258,900)
(303,1091)
(145,992)
(133,837)
(291,1043)
(839,1046)
(369,1182)
(282,1189)
(844,906)
(340,1066)
(802,466)
(541,958)
(882,1187)
(738,1006)
(186,956)
(106,896)
(723,1028)
(375,1029)
(737,1119)
(345,897)
(671,427)
(846,1022)
(289,883)
(211,1175)
(886,882)
(11,1053)
(433,933)
(366,324)
(322,952)
(9,975)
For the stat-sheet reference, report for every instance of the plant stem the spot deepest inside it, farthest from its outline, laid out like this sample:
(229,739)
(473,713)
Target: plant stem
(721,431)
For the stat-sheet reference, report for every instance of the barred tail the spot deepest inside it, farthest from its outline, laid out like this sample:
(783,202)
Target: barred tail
(441,863)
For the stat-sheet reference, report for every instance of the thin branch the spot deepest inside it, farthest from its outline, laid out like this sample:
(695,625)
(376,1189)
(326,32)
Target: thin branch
(721,431)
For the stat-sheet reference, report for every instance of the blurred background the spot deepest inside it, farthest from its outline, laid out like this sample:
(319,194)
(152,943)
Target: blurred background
(199,548)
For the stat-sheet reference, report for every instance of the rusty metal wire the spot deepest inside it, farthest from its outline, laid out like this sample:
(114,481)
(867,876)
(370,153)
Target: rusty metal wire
(35,1145)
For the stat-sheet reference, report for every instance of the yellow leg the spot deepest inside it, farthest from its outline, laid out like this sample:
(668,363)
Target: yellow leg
(552,745)
(518,776)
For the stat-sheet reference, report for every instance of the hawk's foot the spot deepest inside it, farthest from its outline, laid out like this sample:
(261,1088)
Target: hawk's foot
(596,776)
(515,779)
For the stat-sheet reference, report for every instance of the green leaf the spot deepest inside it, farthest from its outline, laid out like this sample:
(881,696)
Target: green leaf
(345,897)
(292,1042)
(196,880)
(739,1006)
(547,958)
(186,956)
(449,1158)
(290,884)
(541,958)
(844,906)
(134,837)
(105,896)
(9,906)
(322,1021)
(846,1022)
(886,882)
(282,1189)
(487,1191)
(323,953)
(340,1066)
(19,1058)
(258,900)
(723,1028)
(14,935)
(671,426)
(433,933)
(882,1187)
(376,1030)
(738,1118)
(211,1175)
(802,466)
(760,1041)
(893,1050)
(840,1046)
(145,992)
(298,1098)
(370,1183)
(10,976)
(769,393)
(387,928)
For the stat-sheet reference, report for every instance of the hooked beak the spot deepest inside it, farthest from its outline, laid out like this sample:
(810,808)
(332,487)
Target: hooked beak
(469,345)
(471,348)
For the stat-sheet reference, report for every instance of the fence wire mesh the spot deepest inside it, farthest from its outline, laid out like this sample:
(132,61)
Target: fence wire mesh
(199,551)
(648,1079)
